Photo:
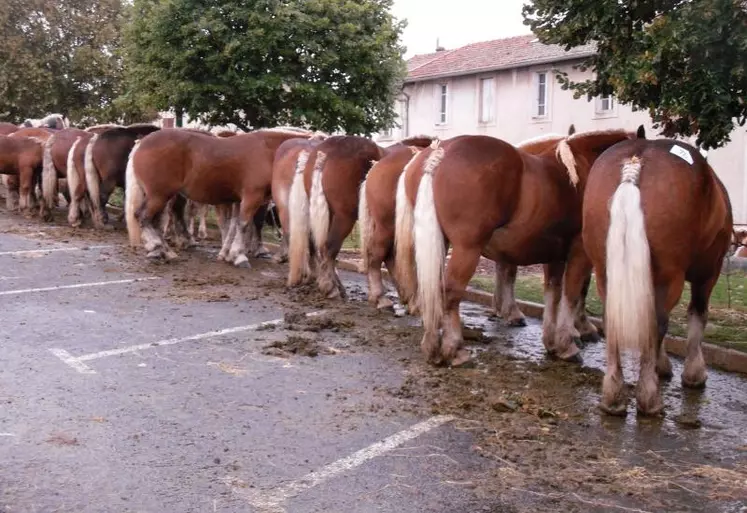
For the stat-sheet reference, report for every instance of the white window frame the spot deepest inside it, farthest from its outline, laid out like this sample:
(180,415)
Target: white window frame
(492,109)
(442,98)
(545,116)
(611,108)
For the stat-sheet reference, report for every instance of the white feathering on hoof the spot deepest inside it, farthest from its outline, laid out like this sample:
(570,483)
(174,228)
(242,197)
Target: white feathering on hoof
(299,226)
(430,250)
(318,206)
(134,198)
(630,309)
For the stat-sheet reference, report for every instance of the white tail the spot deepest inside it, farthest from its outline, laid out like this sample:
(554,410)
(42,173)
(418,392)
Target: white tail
(318,206)
(430,250)
(365,224)
(299,227)
(404,264)
(93,182)
(73,183)
(630,309)
(49,175)
(134,198)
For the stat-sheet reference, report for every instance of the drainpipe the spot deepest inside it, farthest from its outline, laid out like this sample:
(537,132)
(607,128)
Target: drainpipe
(406,126)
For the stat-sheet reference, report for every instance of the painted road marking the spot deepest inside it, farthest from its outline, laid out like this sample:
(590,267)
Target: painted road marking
(271,501)
(50,250)
(77,362)
(76,286)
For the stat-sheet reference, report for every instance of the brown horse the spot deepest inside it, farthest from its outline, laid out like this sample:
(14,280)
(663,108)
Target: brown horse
(376,211)
(655,215)
(483,196)
(8,128)
(21,157)
(105,164)
(31,182)
(287,160)
(206,169)
(56,151)
(323,206)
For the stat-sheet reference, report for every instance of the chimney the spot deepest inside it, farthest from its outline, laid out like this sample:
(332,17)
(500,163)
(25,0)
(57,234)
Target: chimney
(439,48)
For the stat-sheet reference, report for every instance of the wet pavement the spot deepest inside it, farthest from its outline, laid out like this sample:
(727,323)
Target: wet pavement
(134,387)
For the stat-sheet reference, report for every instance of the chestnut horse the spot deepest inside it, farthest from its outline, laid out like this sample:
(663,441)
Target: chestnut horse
(523,209)
(21,158)
(105,164)
(56,151)
(287,160)
(376,214)
(655,215)
(205,169)
(8,128)
(323,206)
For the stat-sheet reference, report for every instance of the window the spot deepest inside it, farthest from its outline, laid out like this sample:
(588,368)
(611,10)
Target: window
(443,95)
(605,104)
(540,110)
(487,100)
(167,122)
(388,133)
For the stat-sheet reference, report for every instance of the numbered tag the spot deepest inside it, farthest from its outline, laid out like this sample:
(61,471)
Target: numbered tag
(682,153)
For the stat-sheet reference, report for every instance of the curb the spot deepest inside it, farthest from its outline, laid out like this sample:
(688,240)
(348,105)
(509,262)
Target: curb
(718,357)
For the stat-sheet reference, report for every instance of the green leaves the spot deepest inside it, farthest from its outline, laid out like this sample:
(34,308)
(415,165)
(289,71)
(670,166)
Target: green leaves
(328,64)
(681,60)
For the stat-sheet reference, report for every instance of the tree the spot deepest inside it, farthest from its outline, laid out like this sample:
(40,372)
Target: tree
(681,60)
(326,64)
(61,56)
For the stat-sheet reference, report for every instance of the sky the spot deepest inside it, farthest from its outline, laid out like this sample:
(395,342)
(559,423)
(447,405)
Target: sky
(457,22)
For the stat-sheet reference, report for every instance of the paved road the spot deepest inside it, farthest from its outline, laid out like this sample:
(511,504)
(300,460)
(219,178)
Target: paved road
(118,397)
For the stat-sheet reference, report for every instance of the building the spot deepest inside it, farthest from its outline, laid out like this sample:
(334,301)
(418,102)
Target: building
(507,88)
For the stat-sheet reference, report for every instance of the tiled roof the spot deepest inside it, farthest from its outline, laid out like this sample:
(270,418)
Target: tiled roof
(506,53)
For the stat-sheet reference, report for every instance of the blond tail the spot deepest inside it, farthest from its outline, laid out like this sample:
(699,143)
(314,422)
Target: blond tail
(630,310)
(93,183)
(430,250)
(134,198)
(318,206)
(73,182)
(49,177)
(298,225)
(365,224)
(404,264)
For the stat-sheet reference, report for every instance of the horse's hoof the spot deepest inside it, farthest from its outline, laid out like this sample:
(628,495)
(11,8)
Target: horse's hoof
(334,294)
(280,259)
(156,254)
(697,384)
(242,262)
(462,360)
(571,354)
(592,337)
(519,322)
(651,411)
(616,409)
(265,255)
(385,303)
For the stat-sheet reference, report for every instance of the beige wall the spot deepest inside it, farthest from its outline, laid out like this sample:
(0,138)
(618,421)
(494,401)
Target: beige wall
(514,92)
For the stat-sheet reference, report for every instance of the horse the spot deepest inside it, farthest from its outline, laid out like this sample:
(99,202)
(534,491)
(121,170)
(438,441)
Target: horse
(655,215)
(79,203)
(376,211)
(482,195)
(205,169)
(8,128)
(56,150)
(55,121)
(287,159)
(740,244)
(13,183)
(21,157)
(105,163)
(323,205)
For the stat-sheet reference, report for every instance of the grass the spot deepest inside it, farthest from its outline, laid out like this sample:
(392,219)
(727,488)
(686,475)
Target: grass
(351,243)
(727,321)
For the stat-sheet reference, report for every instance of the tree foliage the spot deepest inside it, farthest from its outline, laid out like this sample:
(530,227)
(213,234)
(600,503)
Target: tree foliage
(327,64)
(61,56)
(681,60)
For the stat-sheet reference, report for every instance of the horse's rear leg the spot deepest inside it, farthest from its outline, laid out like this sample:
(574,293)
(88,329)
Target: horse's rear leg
(328,281)
(459,272)
(256,249)
(587,331)
(504,300)
(149,214)
(11,191)
(248,208)
(576,281)
(180,212)
(553,294)
(202,233)
(694,375)
(378,251)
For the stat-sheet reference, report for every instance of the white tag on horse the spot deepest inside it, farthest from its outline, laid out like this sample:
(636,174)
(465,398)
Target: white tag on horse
(682,153)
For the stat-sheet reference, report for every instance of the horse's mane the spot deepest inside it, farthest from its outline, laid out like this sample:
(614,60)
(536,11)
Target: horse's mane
(565,154)
(539,139)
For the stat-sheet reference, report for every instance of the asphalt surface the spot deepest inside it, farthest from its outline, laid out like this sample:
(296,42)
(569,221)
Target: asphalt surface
(116,398)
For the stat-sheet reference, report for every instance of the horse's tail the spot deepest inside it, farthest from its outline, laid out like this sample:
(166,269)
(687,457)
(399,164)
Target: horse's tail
(365,223)
(49,175)
(430,249)
(73,181)
(93,181)
(630,311)
(298,224)
(134,198)
(318,206)
(404,263)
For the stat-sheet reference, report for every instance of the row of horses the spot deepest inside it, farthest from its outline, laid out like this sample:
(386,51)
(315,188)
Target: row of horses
(644,215)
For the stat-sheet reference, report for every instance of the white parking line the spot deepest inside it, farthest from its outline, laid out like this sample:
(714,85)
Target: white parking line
(76,362)
(272,500)
(50,250)
(75,286)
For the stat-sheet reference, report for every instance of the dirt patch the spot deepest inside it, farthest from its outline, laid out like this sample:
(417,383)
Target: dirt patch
(296,346)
